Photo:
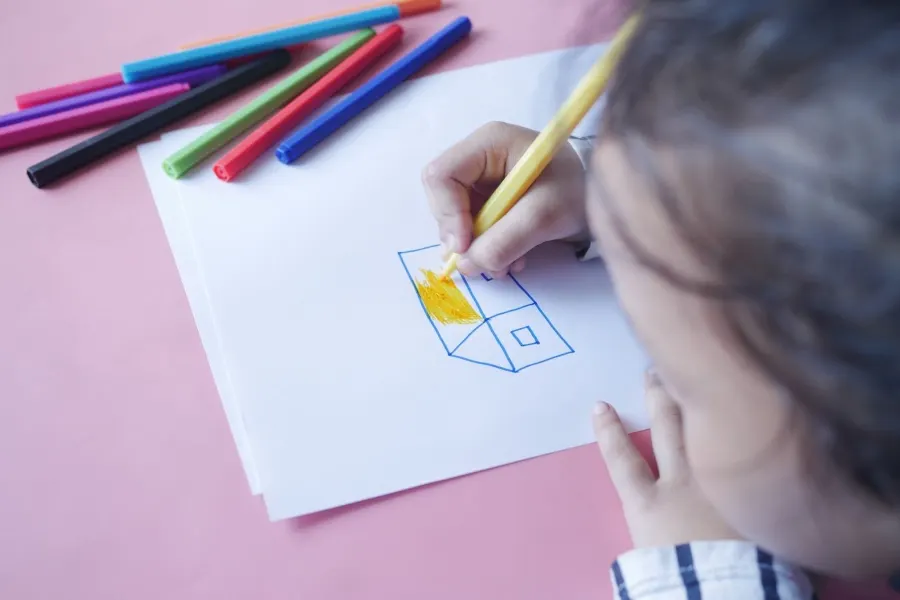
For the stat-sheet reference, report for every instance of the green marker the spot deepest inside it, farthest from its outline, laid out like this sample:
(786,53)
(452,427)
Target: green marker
(262,106)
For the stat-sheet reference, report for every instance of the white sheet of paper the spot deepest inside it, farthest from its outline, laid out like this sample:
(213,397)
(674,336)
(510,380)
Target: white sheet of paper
(168,202)
(345,388)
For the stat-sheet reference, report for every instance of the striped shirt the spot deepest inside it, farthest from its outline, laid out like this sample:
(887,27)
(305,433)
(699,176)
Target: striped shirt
(726,570)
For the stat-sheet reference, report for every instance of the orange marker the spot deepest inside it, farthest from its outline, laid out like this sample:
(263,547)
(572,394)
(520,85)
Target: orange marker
(407,9)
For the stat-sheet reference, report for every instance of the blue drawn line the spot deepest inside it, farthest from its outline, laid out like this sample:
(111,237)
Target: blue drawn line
(468,335)
(486,277)
(540,362)
(471,293)
(552,326)
(422,304)
(530,297)
(485,364)
(506,312)
(512,365)
(419,249)
(532,342)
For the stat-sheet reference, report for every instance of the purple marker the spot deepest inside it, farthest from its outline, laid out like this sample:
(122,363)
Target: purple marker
(193,78)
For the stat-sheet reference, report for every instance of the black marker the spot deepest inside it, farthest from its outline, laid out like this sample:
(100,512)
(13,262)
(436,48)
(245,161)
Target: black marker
(91,150)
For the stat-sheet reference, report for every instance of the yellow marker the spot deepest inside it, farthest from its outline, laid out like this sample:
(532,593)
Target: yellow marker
(547,144)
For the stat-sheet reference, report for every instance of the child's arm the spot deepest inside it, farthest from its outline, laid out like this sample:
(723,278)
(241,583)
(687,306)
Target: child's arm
(666,512)
(724,570)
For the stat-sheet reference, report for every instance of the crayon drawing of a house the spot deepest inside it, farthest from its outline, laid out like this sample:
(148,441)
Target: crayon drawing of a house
(494,323)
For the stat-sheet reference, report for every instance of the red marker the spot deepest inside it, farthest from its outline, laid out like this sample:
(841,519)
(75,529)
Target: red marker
(273,130)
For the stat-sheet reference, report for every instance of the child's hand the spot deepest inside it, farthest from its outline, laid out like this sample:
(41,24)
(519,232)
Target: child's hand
(459,182)
(661,511)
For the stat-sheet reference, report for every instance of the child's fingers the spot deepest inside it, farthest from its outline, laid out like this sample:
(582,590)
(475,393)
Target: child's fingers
(665,430)
(449,202)
(532,221)
(630,473)
(518,266)
(449,179)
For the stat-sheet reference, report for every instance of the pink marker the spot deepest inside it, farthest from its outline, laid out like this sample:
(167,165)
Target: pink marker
(86,117)
(67,90)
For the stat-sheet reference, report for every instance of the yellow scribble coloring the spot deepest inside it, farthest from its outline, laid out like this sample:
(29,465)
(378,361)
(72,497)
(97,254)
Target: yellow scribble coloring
(443,300)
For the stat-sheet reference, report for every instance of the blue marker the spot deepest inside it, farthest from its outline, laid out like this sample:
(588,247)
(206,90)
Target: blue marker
(256,44)
(306,138)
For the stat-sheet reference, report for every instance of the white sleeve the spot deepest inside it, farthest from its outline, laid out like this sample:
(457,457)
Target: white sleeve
(590,253)
(583,147)
(726,570)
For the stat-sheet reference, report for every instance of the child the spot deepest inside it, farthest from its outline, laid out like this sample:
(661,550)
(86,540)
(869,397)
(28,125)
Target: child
(745,193)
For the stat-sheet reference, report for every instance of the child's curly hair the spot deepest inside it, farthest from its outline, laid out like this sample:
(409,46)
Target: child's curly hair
(783,118)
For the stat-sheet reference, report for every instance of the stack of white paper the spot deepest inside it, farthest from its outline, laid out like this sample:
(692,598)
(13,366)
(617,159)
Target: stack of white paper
(337,383)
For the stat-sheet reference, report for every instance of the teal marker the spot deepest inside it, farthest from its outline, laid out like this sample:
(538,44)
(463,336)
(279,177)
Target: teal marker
(256,44)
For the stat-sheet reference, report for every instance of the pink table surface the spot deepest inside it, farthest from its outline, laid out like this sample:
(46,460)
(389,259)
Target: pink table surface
(118,475)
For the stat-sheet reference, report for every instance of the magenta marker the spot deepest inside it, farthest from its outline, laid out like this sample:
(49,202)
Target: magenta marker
(85,117)
(191,78)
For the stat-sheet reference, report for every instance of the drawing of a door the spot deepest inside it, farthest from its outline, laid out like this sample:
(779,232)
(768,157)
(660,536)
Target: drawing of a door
(495,323)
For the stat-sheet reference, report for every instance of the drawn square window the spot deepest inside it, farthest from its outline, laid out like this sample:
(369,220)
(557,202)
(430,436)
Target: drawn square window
(525,336)
(486,277)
